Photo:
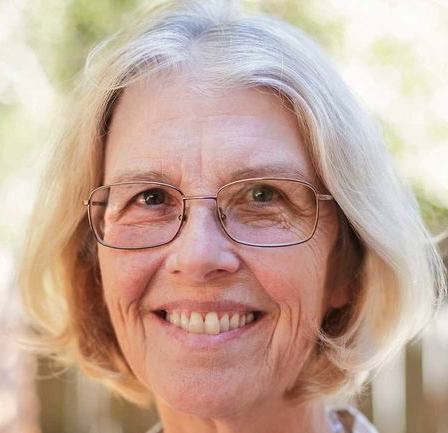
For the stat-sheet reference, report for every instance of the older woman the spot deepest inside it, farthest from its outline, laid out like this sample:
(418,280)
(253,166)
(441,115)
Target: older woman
(250,250)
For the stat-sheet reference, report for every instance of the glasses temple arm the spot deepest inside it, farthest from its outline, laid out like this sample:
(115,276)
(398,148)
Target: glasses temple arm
(94,203)
(324,197)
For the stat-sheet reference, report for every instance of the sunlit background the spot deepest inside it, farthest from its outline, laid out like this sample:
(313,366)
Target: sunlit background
(393,54)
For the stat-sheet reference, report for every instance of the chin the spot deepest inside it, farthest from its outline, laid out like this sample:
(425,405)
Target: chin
(205,399)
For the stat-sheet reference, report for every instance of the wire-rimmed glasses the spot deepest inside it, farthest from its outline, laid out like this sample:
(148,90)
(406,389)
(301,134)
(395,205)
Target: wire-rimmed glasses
(259,212)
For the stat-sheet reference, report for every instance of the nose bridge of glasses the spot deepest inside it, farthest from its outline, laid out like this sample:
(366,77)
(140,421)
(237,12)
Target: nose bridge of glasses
(199,197)
(196,197)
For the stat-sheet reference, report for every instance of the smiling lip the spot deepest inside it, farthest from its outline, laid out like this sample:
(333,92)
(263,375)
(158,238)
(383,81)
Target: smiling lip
(206,342)
(218,306)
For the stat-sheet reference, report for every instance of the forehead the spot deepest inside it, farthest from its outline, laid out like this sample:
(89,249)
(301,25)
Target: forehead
(164,128)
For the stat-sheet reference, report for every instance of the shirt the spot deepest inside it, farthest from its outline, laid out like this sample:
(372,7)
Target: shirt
(345,419)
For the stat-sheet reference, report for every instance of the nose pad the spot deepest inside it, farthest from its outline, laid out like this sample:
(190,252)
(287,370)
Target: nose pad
(222,215)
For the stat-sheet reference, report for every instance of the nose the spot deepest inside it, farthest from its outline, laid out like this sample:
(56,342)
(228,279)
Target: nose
(201,252)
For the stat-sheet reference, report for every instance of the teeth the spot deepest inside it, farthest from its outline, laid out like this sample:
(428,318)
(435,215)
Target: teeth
(196,325)
(184,321)
(224,323)
(235,321)
(208,323)
(174,318)
(242,320)
(211,323)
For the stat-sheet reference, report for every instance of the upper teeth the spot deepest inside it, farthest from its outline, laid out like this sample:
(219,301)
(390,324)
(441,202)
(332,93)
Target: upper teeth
(208,323)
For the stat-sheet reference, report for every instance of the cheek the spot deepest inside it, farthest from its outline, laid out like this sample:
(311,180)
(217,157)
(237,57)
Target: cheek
(292,275)
(294,278)
(125,277)
(126,274)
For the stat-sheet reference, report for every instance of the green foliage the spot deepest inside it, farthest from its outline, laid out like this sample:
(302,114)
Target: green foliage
(391,52)
(64,35)
(395,142)
(329,32)
(434,213)
(438,131)
(14,139)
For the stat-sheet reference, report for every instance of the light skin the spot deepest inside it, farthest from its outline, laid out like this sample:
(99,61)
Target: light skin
(197,142)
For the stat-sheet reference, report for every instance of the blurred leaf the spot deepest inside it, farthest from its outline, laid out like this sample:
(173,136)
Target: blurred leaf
(434,214)
(390,52)
(328,32)
(63,44)
(395,142)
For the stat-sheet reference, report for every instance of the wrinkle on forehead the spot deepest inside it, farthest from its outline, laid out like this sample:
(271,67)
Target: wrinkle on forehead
(165,125)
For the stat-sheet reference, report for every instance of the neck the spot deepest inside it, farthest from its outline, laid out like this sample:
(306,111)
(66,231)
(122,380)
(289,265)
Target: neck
(272,416)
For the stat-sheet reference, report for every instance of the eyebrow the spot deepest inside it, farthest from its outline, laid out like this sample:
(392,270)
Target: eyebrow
(274,169)
(141,175)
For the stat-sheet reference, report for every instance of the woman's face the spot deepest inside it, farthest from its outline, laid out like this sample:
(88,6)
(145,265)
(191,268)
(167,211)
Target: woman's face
(198,143)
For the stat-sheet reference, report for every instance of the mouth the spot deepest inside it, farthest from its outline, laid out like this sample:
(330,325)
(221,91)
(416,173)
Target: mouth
(210,322)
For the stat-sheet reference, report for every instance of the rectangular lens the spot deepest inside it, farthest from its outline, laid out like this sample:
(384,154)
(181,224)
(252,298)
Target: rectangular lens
(269,211)
(136,215)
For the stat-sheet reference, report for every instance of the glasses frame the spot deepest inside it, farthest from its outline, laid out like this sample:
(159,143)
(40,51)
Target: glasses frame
(183,216)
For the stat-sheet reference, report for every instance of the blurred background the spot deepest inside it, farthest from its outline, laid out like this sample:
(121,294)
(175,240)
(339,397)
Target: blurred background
(393,54)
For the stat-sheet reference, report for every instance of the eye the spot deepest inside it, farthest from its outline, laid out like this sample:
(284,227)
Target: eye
(153,196)
(263,193)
